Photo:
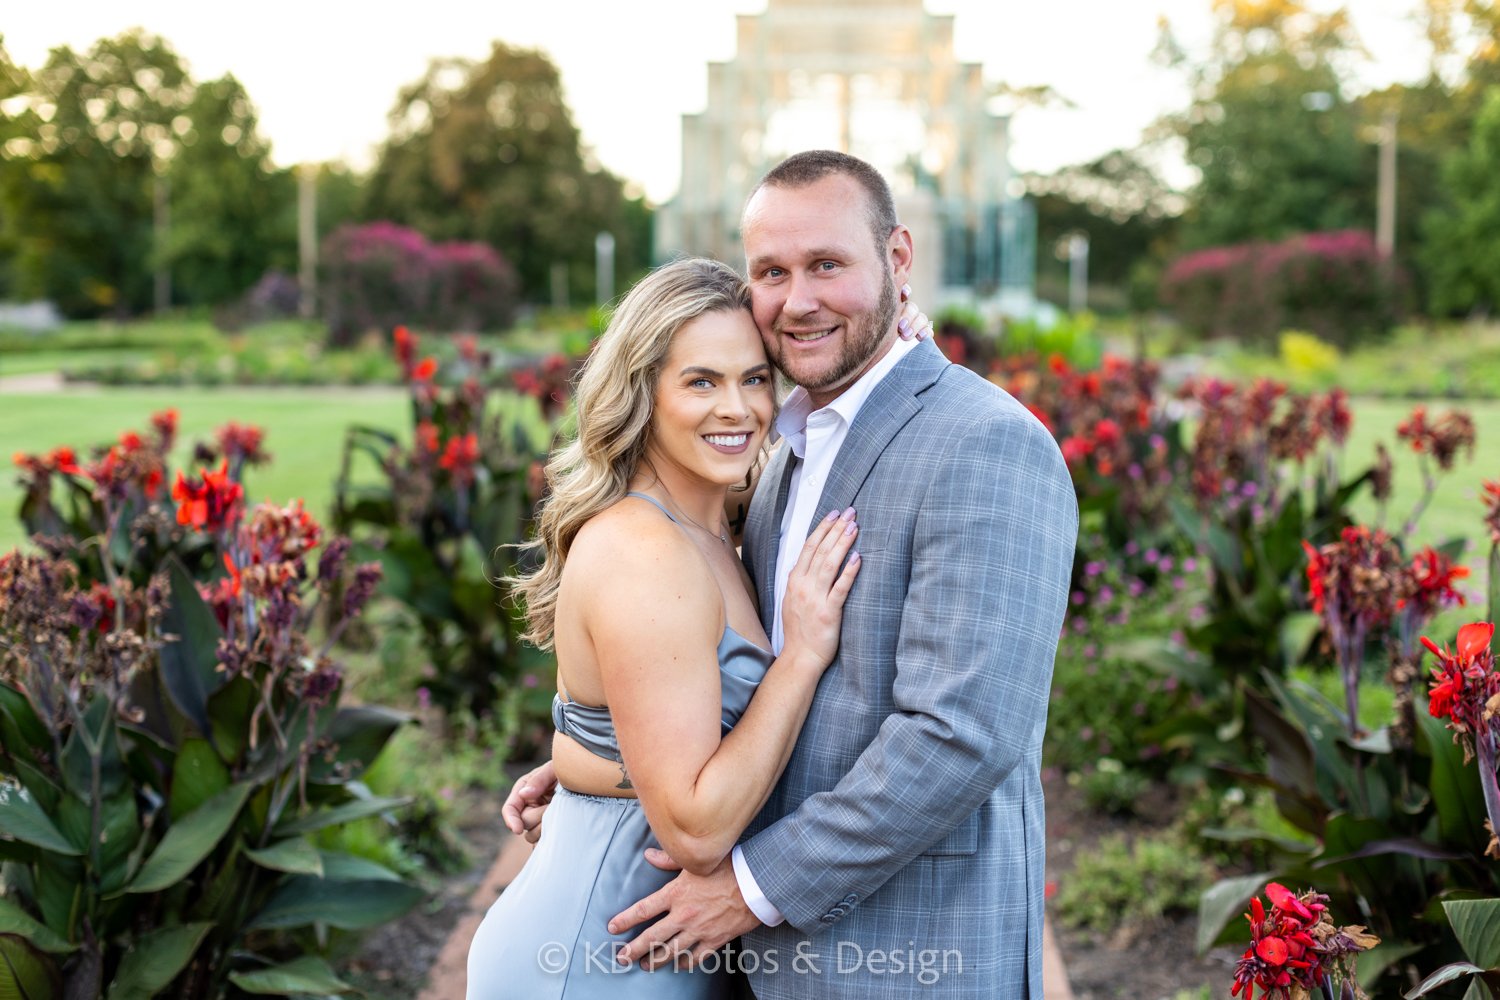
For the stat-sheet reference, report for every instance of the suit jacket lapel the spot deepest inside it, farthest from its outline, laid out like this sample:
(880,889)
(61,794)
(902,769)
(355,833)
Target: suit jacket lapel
(892,403)
(763,530)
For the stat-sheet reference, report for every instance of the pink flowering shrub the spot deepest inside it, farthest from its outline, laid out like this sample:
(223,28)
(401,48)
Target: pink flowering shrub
(1335,284)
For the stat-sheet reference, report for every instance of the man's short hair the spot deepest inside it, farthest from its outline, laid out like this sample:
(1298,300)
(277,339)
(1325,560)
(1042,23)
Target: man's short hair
(801,169)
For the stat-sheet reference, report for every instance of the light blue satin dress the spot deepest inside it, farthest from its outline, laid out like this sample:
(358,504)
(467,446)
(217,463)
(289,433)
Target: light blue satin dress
(545,938)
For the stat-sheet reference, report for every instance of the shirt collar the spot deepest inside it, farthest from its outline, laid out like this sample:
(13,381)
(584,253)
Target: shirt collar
(791,423)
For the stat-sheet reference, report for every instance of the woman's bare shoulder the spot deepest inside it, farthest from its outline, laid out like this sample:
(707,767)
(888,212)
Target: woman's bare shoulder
(630,565)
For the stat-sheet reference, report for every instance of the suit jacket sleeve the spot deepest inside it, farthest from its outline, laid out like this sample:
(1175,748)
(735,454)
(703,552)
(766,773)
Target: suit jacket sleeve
(992,556)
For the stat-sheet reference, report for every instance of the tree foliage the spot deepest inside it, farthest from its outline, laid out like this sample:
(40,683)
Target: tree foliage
(487,151)
(92,140)
(1463,247)
(1128,212)
(1270,129)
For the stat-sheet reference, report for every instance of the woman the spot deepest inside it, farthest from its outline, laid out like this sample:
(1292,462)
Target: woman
(658,640)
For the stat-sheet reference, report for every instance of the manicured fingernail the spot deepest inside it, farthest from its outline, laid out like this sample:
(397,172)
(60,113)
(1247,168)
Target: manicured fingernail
(832,514)
(854,557)
(906,291)
(613,930)
(903,324)
(850,528)
(848,514)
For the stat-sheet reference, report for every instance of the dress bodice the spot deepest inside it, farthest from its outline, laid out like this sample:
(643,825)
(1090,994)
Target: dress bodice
(742,665)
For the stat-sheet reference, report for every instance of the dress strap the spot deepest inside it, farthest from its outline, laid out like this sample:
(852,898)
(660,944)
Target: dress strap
(659,506)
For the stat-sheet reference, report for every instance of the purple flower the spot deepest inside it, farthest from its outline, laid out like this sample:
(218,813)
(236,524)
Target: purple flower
(1249,490)
(1093,568)
(1077,598)
(1131,548)
(1137,587)
(1166,564)
(1190,565)
(1178,583)
(1106,595)
(1152,556)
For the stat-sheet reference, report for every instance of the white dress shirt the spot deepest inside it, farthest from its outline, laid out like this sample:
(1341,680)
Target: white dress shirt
(815,437)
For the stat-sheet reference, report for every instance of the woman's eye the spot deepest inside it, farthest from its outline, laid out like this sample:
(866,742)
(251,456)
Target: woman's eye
(701,383)
(756,380)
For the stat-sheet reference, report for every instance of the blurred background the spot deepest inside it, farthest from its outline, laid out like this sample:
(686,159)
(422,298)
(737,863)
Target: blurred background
(1240,257)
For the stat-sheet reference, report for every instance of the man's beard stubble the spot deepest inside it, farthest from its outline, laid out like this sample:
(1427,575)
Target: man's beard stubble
(858,348)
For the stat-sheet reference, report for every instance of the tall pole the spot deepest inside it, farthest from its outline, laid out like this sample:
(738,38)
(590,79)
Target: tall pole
(604,267)
(1385,217)
(307,240)
(1078,272)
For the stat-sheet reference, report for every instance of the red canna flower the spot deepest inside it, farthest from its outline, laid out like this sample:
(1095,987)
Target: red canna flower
(211,504)
(425,370)
(63,460)
(427,437)
(165,424)
(406,348)
(460,457)
(1295,947)
(242,443)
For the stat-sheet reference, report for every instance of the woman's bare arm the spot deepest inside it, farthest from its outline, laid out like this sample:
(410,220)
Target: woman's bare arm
(655,619)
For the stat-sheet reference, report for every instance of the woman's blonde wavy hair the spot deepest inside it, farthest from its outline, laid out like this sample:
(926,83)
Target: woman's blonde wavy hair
(615,397)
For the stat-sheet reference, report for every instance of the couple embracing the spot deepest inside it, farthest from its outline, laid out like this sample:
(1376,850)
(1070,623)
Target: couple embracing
(816,772)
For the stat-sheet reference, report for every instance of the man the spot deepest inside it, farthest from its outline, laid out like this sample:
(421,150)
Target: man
(903,848)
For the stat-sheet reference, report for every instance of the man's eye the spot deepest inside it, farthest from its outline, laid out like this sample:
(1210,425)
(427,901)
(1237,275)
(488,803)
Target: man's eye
(827,265)
(774,272)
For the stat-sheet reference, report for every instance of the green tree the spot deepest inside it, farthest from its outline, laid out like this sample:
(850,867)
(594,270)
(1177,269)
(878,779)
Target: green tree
(17,125)
(1128,212)
(1270,130)
(233,212)
(93,143)
(1463,240)
(79,196)
(488,151)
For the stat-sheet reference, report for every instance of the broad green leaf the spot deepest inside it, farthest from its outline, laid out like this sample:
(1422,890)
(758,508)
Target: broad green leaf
(119,842)
(189,840)
(59,890)
(22,729)
(341,867)
(1446,974)
(1455,790)
(295,855)
(1476,924)
(229,710)
(1494,583)
(14,920)
(197,776)
(302,900)
(155,960)
(188,664)
(1371,965)
(360,733)
(358,809)
(22,819)
(78,762)
(1223,902)
(308,974)
(25,972)
(1298,630)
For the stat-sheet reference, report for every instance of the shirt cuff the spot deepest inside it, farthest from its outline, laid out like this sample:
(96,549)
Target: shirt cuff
(759,905)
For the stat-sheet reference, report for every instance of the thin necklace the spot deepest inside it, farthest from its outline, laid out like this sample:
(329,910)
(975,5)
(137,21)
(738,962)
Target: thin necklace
(723,536)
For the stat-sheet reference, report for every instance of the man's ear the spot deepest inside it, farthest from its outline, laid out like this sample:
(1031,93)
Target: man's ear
(898,251)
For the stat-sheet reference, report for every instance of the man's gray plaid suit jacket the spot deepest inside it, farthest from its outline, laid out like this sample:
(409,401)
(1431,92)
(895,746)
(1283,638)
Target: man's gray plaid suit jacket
(905,842)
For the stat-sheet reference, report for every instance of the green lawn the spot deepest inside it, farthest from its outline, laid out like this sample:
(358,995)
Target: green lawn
(304,432)
(1456,510)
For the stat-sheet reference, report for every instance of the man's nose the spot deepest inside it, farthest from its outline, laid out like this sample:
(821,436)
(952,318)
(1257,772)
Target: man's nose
(800,297)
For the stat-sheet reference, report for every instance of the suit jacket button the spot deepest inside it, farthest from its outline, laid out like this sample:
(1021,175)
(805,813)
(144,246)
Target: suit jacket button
(851,899)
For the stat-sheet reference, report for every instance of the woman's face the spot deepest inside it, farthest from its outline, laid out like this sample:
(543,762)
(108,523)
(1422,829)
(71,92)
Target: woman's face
(714,399)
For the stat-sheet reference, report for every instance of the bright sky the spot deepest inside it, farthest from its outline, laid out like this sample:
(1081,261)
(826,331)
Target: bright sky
(323,75)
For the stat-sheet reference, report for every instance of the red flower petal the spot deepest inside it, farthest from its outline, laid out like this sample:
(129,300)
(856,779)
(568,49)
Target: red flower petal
(1272,950)
(1474,639)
